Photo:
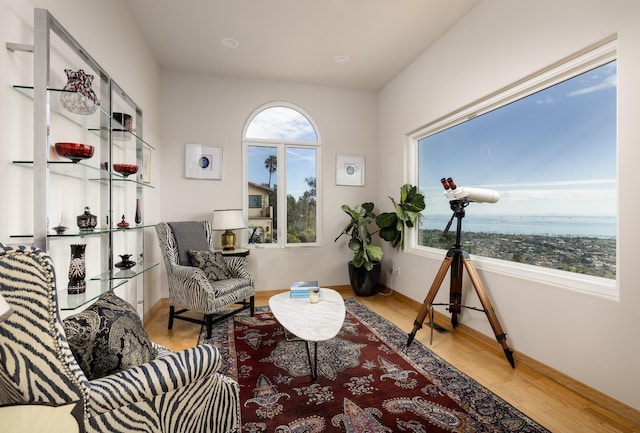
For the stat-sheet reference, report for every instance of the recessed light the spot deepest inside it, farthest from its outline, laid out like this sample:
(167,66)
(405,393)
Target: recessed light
(230,43)
(342,59)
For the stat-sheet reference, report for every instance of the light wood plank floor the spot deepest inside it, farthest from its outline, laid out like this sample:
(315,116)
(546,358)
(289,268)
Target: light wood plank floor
(550,403)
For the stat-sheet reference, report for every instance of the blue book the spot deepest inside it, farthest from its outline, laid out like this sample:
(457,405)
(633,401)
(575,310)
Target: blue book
(300,289)
(303,285)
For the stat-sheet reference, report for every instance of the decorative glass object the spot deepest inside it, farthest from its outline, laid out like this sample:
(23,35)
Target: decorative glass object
(126,262)
(77,270)
(87,222)
(79,97)
(138,217)
(123,224)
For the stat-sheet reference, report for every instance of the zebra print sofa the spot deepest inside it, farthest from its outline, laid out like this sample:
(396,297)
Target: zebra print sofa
(189,287)
(175,392)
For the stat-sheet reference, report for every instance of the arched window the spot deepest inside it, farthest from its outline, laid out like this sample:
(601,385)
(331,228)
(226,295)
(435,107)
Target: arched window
(282,157)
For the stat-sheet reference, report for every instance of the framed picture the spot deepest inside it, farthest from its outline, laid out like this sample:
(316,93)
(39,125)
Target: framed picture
(202,162)
(146,165)
(350,170)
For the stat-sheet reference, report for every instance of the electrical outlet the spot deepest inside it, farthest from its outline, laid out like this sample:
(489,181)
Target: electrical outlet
(395,270)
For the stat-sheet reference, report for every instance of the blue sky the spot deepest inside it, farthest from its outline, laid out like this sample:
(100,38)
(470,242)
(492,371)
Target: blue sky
(551,153)
(287,124)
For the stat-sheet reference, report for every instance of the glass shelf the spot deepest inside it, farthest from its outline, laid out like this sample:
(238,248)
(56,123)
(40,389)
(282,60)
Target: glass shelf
(95,288)
(79,170)
(88,121)
(99,285)
(125,274)
(122,138)
(75,233)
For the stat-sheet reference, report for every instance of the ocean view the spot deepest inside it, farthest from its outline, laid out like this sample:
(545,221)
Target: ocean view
(584,245)
(589,226)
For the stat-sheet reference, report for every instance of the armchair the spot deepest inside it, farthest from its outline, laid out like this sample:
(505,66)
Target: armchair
(190,288)
(175,392)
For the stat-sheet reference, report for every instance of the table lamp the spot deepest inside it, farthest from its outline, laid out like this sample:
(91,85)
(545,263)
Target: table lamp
(228,220)
(5,309)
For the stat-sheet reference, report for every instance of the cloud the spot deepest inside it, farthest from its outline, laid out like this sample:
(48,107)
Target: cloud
(607,83)
(281,123)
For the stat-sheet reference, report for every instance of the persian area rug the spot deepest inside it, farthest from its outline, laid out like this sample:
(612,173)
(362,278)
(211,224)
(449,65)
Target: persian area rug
(368,381)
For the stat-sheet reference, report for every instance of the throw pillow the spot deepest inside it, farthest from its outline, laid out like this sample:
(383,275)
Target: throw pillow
(108,337)
(212,264)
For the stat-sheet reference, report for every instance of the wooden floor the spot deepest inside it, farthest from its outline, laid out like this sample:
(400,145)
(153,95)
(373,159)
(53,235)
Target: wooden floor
(553,405)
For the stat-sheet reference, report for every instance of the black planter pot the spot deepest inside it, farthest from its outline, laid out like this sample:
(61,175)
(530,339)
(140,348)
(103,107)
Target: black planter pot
(364,282)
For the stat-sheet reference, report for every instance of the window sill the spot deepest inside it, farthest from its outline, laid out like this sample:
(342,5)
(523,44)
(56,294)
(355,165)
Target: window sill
(566,280)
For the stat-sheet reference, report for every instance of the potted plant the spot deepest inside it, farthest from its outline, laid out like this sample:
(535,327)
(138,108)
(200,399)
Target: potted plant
(364,268)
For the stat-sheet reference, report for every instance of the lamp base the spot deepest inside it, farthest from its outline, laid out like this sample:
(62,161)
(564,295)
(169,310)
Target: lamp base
(228,239)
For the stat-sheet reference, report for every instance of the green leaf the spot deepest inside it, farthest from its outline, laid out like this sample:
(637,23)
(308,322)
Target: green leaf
(375,252)
(386,219)
(355,244)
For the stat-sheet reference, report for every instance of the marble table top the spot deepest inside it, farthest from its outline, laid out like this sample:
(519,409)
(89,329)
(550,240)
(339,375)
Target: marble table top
(311,322)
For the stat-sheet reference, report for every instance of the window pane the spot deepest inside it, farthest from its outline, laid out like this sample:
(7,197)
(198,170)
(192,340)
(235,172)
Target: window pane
(262,174)
(281,123)
(552,157)
(301,194)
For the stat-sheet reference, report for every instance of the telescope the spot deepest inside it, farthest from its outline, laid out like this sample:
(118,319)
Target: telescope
(454,263)
(477,195)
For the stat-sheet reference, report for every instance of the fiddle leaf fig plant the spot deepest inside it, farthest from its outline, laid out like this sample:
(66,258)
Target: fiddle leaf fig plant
(358,228)
(391,225)
(406,213)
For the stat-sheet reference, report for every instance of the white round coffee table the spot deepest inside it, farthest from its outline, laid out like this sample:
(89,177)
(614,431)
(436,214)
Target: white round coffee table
(310,322)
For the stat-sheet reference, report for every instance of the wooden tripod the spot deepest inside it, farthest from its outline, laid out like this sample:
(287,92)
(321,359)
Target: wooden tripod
(455,260)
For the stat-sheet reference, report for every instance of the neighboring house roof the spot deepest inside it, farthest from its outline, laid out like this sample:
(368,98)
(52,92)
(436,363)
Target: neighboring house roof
(260,187)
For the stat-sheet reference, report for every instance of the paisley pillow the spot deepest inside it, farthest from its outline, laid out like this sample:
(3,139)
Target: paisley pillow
(108,337)
(212,264)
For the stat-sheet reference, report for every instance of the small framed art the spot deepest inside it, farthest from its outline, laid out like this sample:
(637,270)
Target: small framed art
(202,162)
(350,170)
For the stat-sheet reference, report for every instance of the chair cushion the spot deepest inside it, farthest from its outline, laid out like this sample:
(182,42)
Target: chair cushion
(108,337)
(189,235)
(211,263)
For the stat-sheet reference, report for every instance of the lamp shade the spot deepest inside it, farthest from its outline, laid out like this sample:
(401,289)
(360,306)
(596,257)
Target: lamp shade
(228,219)
(5,309)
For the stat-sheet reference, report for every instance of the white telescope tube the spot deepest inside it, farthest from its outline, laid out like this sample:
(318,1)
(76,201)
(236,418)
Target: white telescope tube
(478,195)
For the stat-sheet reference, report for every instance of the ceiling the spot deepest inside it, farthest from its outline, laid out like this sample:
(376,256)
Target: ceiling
(296,40)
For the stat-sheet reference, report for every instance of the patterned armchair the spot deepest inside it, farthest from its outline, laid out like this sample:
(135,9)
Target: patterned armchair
(208,288)
(175,392)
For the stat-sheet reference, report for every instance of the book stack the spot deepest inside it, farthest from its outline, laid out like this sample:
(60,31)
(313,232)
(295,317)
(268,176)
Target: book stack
(301,289)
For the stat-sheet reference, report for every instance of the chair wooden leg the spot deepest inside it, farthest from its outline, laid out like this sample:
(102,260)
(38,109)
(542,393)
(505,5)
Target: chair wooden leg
(209,322)
(172,311)
(252,305)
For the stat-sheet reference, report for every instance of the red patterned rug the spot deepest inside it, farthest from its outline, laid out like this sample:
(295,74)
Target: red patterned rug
(368,381)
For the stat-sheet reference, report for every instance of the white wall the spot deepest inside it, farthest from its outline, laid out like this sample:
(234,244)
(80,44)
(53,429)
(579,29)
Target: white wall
(590,338)
(107,31)
(209,110)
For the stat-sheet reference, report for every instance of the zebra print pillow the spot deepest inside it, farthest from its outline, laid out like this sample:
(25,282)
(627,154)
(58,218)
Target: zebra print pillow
(108,337)
(212,263)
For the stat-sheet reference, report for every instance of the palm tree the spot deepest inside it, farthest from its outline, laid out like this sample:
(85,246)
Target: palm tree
(271,164)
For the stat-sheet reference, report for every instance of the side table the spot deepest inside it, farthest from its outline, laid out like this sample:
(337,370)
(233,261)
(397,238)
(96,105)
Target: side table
(236,252)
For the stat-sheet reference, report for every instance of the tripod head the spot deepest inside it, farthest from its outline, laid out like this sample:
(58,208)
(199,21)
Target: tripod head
(457,206)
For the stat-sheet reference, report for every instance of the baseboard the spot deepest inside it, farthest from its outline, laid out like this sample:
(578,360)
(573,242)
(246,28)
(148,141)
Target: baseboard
(578,387)
(160,304)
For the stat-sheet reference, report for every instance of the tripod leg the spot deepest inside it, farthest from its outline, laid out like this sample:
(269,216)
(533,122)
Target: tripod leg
(488,309)
(426,305)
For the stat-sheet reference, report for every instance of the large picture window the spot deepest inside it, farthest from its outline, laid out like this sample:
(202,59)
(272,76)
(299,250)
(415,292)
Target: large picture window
(282,165)
(551,154)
